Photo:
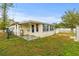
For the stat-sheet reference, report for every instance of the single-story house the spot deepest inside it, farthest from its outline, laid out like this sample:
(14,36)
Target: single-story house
(35,28)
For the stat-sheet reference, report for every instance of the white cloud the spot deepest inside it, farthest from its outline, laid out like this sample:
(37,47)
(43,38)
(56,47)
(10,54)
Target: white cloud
(48,19)
(19,16)
(16,15)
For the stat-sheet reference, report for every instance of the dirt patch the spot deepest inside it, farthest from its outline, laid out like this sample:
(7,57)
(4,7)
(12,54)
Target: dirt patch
(2,35)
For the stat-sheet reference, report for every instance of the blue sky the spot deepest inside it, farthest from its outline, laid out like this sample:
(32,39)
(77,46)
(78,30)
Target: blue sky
(46,12)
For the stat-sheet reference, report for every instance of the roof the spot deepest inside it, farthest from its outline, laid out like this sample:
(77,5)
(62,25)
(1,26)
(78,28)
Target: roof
(14,23)
(32,21)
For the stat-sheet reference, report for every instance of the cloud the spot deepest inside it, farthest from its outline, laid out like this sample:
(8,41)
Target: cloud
(19,16)
(49,19)
(16,15)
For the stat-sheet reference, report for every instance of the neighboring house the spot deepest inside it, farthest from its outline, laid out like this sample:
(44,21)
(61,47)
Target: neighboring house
(35,28)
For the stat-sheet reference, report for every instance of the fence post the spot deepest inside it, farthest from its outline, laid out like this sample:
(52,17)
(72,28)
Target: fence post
(77,33)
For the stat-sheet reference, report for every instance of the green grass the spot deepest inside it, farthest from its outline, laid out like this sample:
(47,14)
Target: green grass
(58,45)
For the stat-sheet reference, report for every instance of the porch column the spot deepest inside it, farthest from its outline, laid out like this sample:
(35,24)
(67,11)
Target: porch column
(49,28)
(30,28)
(40,27)
(34,27)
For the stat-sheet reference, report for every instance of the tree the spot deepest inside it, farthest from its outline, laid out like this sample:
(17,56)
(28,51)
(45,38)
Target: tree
(58,25)
(4,8)
(71,19)
(7,23)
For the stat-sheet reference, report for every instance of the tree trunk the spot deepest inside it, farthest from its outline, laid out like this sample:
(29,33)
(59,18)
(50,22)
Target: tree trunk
(4,15)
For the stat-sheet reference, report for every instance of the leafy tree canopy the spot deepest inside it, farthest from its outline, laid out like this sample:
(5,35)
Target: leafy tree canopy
(70,18)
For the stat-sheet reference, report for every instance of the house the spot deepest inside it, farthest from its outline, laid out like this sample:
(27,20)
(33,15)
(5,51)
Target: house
(34,28)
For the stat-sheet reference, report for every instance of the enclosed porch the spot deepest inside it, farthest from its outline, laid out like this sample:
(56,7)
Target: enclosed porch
(37,29)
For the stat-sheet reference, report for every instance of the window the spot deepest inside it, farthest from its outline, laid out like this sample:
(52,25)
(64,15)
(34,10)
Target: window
(36,27)
(32,28)
(51,28)
(45,27)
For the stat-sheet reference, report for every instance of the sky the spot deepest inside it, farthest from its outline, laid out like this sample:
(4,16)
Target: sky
(45,12)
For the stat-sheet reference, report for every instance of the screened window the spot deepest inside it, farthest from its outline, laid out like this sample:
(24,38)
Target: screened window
(51,28)
(36,27)
(45,27)
(32,28)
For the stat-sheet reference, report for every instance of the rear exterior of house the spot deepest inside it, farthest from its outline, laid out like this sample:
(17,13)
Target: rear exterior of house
(38,29)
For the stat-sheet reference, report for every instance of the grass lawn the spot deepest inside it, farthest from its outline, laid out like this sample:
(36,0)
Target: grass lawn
(58,45)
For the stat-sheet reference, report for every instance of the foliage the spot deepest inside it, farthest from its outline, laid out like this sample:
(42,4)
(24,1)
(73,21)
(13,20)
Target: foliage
(58,25)
(7,22)
(4,8)
(71,19)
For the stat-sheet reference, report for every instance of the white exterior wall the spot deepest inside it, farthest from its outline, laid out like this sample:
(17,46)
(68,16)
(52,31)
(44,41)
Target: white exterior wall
(40,32)
(43,34)
(28,30)
(64,30)
(16,31)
